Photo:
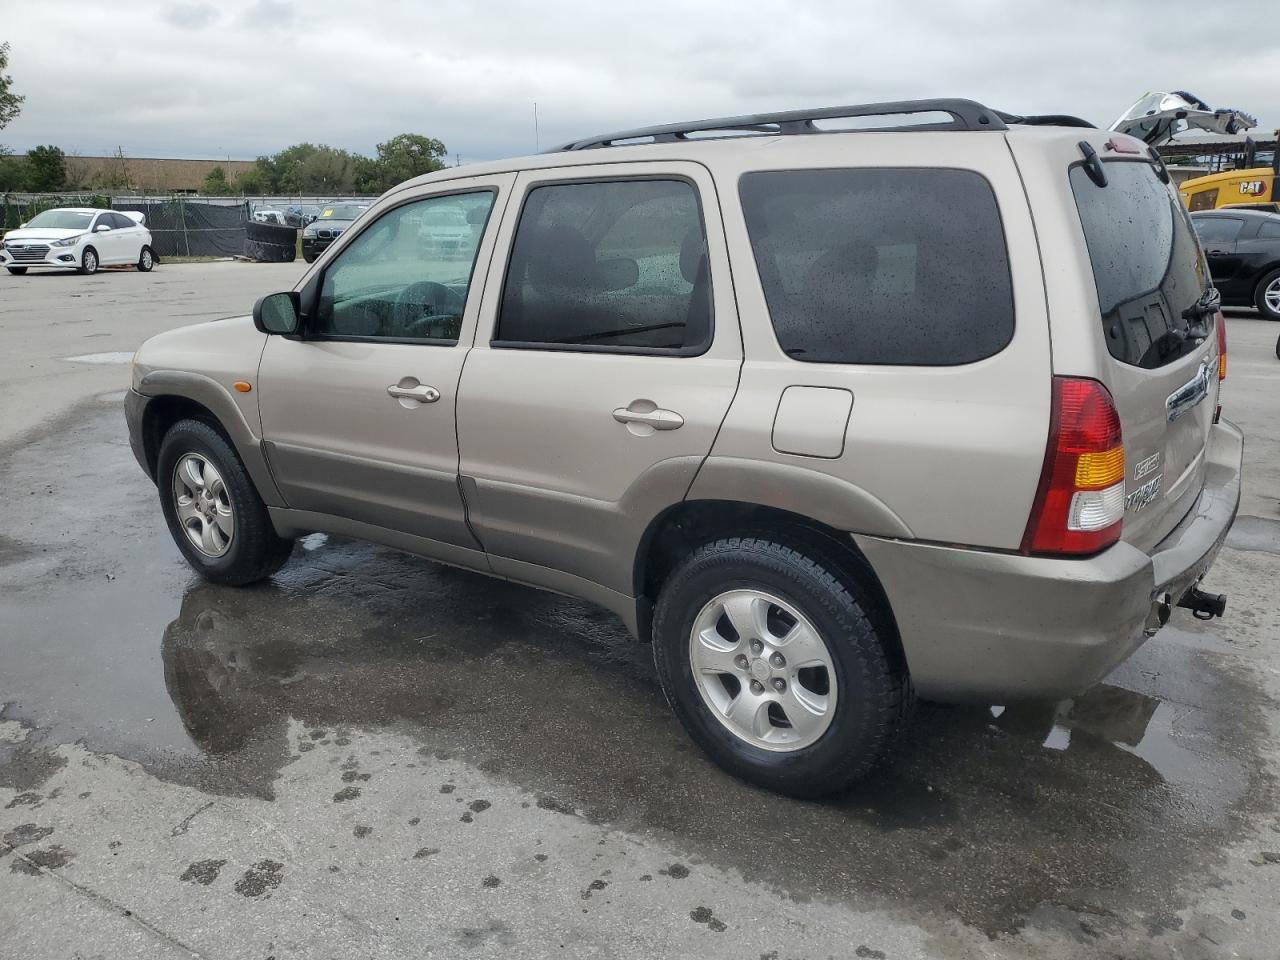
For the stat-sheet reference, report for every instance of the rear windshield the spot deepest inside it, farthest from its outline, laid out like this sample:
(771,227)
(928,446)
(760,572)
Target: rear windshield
(1146,263)
(886,266)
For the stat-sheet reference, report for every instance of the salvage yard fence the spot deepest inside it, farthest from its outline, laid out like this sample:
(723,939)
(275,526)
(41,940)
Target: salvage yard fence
(181,226)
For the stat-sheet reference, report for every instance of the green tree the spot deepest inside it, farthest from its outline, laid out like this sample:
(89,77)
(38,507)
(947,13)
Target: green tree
(13,171)
(324,170)
(253,181)
(368,176)
(10,102)
(46,169)
(409,155)
(215,184)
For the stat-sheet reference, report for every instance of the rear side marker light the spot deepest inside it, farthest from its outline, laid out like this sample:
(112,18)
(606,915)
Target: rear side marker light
(1079,505)
(1221,323)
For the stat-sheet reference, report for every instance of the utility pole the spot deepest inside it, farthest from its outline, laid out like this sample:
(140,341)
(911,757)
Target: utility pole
(537,145)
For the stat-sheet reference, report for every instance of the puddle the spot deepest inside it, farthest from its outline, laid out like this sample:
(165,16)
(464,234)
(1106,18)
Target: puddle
(985,814)
(120,356)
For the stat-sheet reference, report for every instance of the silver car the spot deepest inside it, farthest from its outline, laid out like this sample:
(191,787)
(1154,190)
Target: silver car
(831,418)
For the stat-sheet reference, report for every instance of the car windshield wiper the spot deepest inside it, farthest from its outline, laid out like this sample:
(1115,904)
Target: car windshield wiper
(622,331)
(1207,305)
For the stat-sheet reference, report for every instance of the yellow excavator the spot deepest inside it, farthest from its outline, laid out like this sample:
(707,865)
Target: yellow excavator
(1157,117)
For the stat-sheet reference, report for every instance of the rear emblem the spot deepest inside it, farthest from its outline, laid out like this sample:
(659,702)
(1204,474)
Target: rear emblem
(1143,467)
(1144,495)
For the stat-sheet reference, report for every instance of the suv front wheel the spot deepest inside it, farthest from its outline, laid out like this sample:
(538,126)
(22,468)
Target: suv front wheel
(775,668)
(213,510)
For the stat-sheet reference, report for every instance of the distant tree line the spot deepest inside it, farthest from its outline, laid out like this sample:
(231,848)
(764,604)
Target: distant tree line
(304,168)
(319,169)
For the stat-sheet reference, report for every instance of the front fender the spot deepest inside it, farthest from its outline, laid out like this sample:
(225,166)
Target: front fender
(215,398)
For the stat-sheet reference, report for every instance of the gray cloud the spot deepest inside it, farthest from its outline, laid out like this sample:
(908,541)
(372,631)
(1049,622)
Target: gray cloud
(268,73)
(191,16)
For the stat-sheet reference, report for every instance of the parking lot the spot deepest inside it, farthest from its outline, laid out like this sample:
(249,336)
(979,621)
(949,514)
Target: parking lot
(376,756)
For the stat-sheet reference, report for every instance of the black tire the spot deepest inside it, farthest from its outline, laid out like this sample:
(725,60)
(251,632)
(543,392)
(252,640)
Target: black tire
(264,252)
(88,262)
(255,550)
(1259,300)
(146,260)
(308,256)
(17,271)
(1278,348)
(874,691)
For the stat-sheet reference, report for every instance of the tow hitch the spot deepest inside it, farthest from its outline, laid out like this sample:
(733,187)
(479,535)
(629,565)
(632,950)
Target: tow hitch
(1204,606)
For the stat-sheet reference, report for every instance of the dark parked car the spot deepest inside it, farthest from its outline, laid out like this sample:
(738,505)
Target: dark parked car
(1243,247)
(327,227)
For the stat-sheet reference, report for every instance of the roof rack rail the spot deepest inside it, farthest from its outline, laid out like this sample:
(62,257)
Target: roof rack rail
(965,115)
(1045,120)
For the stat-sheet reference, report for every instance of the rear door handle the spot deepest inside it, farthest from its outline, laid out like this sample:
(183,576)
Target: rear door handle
(645,413)
(410,389)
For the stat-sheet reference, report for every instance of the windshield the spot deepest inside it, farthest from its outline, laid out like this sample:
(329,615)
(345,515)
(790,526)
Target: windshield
(341,211)
(61,220)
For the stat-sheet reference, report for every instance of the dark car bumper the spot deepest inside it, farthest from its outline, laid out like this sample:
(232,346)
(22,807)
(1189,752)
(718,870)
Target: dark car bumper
(314,246)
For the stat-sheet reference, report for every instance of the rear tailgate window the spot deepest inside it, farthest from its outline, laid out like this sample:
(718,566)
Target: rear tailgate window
(1146,263)
(881,266)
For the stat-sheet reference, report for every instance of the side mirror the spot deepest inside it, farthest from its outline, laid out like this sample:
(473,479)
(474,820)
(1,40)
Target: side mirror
(102,228)
(277,313)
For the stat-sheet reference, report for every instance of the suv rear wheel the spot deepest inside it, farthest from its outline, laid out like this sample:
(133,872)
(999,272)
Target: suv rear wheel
(775,668)
(214,513)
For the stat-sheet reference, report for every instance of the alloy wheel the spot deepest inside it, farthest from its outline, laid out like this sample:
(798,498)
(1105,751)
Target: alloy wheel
(763,670)
(203,505)
(1271,296)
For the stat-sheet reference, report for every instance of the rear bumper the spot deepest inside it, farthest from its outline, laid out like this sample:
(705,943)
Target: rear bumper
(998,627)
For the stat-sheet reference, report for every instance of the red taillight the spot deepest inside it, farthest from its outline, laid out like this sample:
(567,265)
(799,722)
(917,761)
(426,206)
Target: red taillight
(1220,322)
(1079,506)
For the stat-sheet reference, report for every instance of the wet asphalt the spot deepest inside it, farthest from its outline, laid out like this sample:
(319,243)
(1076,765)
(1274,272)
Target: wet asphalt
(1135,820)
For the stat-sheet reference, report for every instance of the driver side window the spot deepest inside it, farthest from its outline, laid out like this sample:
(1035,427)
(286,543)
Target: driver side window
(406,276)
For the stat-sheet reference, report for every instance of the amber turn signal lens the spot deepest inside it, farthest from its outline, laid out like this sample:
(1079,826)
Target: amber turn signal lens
(1097,470)
(243,386)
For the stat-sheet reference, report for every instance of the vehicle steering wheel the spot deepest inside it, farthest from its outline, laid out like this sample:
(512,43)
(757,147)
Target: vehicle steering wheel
(422,303)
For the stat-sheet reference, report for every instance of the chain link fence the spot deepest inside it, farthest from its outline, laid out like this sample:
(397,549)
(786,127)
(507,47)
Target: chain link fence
(182,226)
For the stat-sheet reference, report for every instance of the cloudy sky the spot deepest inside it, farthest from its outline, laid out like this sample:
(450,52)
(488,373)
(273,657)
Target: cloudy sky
(238,78)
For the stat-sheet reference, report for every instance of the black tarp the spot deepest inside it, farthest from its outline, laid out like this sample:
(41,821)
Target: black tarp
(191,228)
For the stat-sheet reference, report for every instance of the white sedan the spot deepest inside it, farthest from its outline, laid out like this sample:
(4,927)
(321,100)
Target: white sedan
(78,237)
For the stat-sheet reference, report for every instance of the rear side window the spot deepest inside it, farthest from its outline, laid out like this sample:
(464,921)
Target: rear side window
(1146,263)
(883,266)
(609,265)
(1217,229)
(1269,230)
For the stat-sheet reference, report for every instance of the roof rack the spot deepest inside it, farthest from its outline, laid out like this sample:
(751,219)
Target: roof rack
(965,115)
(1045,120)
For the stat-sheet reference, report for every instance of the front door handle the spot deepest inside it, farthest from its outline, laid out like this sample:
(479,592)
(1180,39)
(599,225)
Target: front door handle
(409,391)
(645,413)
